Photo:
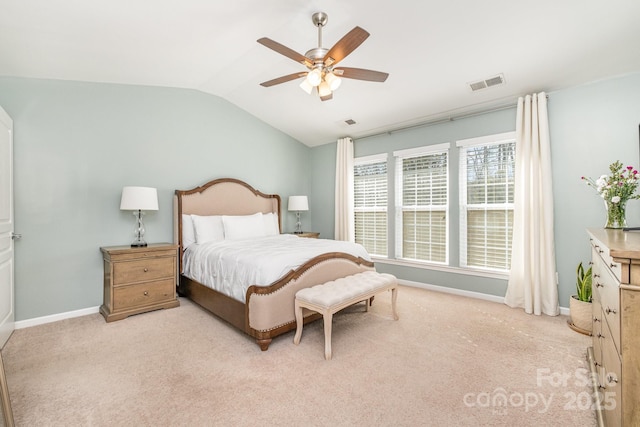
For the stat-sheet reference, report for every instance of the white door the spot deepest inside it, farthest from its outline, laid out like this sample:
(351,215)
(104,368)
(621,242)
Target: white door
(7,322)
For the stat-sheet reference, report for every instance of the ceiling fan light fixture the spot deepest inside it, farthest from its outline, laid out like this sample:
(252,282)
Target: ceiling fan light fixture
(314,77)
(324,89)
(320,62)
(333,80)
(306,86)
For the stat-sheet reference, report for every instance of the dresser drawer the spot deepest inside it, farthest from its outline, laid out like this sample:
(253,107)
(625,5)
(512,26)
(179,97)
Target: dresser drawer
(602,252)
(143,270)
(597,332)
(141,294)
(607,292)
(610,384)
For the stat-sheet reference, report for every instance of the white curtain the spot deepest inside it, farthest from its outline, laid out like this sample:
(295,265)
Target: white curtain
(532,282)
(344,229)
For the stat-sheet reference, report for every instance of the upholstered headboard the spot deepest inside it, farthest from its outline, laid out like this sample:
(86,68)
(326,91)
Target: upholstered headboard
(224,196)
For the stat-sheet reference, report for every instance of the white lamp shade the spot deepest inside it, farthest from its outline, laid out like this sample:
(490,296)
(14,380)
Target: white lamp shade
(305,86)
(298,203)
(314,77)
(139,198)
(333,81)
(324,89)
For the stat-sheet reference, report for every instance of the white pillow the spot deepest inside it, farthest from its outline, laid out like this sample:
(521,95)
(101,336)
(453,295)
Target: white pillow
(243,226)
(208,228)
(188,233)
(271,226)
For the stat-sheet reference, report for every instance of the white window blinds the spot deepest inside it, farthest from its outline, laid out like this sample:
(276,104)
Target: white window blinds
(486,201)
(370,203)
(422,204)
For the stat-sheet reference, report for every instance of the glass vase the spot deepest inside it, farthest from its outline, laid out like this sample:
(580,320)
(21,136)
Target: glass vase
(616,214)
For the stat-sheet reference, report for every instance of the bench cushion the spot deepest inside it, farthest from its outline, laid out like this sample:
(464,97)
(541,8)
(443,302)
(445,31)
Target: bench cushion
(345,288)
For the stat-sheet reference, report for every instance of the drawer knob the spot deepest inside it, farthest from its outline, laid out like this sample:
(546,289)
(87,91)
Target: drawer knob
(146,269)
(596,275)
(600,335)
(146,293)
(600,251)
(599,285)
(611,379)
(595,319)
(612,265)
(610,310)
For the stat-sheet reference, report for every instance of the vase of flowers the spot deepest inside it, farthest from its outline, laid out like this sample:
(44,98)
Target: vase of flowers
(616,189)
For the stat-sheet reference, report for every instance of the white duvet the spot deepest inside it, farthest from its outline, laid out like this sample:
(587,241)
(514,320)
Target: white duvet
(232,266)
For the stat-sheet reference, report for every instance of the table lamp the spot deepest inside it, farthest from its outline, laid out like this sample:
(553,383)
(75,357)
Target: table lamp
(139,199)
(297,204)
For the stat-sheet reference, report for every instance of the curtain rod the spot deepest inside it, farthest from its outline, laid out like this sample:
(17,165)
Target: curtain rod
(506,106)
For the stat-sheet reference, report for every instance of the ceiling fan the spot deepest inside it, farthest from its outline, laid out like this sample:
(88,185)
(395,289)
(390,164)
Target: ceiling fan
(321,62)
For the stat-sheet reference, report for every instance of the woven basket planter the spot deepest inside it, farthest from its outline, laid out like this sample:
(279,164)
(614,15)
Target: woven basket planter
(581,313)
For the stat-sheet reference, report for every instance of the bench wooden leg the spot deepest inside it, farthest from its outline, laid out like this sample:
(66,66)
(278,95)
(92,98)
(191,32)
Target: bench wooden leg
(394,297)
(328,320)
(299,323)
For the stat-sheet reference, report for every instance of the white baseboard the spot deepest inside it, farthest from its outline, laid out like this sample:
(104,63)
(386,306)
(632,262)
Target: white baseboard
(55,317)
(92,310)
(478,295)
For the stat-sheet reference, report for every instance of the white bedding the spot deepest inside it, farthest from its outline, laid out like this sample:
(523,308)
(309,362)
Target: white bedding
(232,266)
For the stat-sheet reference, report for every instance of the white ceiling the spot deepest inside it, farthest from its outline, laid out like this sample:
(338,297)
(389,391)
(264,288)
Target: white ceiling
(431,50)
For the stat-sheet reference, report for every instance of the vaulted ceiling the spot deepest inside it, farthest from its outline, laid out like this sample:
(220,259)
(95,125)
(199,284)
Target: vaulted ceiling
(431,50)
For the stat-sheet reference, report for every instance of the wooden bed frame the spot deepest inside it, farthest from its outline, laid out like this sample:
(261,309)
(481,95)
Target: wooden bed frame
(268,311)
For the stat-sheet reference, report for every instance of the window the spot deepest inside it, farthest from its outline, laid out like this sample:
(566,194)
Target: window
(370,203)
(487,168)
(422,203)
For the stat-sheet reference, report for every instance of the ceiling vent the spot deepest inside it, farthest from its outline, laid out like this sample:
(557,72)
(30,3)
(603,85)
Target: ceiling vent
(484,84)
(350,122)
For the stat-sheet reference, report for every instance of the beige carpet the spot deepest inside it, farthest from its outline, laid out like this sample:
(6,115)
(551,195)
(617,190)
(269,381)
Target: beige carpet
(449,360)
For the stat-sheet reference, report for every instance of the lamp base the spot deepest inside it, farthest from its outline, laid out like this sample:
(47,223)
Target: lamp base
(138,232)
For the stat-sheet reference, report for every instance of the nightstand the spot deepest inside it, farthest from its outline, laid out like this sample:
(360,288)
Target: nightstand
(308,234)
(137,280)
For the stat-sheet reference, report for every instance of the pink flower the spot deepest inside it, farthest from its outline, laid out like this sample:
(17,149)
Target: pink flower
(629,167)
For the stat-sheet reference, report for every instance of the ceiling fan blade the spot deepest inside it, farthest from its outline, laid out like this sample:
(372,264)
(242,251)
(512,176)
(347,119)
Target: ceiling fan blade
(283,50)
(326,98)
(283,79)
(345,46)
(361,74)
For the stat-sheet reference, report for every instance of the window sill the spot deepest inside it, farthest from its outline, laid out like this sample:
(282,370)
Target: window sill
(445,268)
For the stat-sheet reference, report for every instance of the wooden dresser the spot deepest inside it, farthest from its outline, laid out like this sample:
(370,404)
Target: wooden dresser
(615,355)
(137,280)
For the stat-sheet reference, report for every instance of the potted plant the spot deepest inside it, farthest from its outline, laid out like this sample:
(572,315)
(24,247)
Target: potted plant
(580,303)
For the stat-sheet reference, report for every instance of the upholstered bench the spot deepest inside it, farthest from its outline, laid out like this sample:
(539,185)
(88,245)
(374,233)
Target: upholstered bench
(331,297)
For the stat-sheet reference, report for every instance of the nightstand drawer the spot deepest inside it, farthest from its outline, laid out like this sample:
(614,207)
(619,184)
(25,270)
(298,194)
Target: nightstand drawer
(143,270)
(127,253)
(143,294)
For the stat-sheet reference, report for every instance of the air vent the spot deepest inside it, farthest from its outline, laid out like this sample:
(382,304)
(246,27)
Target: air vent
(486,83)
(350,122)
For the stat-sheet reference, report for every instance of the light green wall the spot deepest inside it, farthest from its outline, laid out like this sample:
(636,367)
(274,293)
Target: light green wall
(77,144)
(591,126)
